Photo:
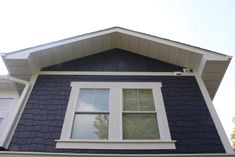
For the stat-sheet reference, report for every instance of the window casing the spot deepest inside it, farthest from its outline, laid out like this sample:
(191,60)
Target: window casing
(117,115)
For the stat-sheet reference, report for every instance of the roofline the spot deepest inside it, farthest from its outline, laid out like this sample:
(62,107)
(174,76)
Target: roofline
(175,42)
(109,30)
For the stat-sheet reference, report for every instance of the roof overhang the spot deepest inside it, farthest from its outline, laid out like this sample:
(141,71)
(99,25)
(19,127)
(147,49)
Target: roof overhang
(210,65)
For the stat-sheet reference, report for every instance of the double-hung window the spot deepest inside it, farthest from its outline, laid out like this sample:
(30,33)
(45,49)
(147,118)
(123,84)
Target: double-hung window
(115,115)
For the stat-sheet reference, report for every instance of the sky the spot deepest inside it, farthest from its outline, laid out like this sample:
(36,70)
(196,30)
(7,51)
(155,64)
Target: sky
(208,24)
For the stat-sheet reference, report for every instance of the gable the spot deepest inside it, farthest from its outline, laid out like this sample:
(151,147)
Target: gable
(115,60)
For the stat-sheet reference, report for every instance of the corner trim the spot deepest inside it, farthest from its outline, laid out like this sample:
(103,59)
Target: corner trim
(25,95)
(215,117)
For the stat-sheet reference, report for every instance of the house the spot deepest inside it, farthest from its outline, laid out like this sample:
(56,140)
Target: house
(114,92)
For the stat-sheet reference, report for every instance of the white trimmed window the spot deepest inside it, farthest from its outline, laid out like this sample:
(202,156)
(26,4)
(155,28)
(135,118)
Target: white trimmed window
(115,115)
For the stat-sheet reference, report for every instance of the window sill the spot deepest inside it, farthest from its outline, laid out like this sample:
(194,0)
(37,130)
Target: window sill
(107,144)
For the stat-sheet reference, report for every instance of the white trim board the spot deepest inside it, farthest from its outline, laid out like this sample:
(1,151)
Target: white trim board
(116,73)
(25,95)
(13,111)
(227,146)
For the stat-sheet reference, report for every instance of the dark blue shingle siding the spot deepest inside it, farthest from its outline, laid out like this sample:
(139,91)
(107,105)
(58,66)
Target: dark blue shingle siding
(189,119)
(115,60)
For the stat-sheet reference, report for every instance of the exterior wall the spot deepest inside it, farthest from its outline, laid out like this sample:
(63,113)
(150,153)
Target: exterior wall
(115,60)
(189,119)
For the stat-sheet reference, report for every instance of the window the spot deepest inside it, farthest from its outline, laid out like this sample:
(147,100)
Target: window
(5,104)
(115,115)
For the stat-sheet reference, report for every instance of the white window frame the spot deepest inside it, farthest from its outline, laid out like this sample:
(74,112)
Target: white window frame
(115,139)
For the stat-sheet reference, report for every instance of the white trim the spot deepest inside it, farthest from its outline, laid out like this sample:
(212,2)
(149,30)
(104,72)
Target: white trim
(115,73)
(43,154)
(7,77)
(26,52)
(143,144)
(214,116)
(8,130)
(20,108)
(115,140)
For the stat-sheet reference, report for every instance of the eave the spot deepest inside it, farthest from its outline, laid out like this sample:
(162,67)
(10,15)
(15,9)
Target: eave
(210,65)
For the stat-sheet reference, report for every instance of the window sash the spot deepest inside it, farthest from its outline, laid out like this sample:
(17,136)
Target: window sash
(154,133)
(77,112)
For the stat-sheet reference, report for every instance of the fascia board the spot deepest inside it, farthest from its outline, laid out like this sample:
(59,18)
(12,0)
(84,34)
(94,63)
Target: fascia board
(26,52)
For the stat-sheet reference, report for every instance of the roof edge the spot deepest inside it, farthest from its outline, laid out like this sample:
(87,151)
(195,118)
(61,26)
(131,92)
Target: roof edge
(107,31)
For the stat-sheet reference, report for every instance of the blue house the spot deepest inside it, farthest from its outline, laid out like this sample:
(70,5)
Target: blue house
(114,92)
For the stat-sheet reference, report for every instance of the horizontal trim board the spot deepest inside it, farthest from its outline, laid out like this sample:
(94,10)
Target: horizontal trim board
(40,154)
(116,73)
(154,144)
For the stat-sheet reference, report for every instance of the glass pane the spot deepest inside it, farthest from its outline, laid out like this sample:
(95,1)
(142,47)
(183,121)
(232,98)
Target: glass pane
(147,106)
(131,105)
(5,103)
(1,119)
(93,100)
(138,100)
(90,126)
(145,94)
(140,126)
(130,94)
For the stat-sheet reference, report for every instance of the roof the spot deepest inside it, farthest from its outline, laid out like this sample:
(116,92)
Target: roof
(210,65)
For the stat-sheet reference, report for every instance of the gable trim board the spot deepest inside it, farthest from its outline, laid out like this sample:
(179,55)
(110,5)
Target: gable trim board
(26,62)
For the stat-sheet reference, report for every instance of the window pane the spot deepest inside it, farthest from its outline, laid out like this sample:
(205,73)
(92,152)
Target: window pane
(93,100)
(90,126)
(138,100)
(5,104)
(140,126)
(1,119)
(130,94)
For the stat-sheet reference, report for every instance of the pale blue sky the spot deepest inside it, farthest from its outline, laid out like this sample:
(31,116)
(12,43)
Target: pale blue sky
(209,24)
